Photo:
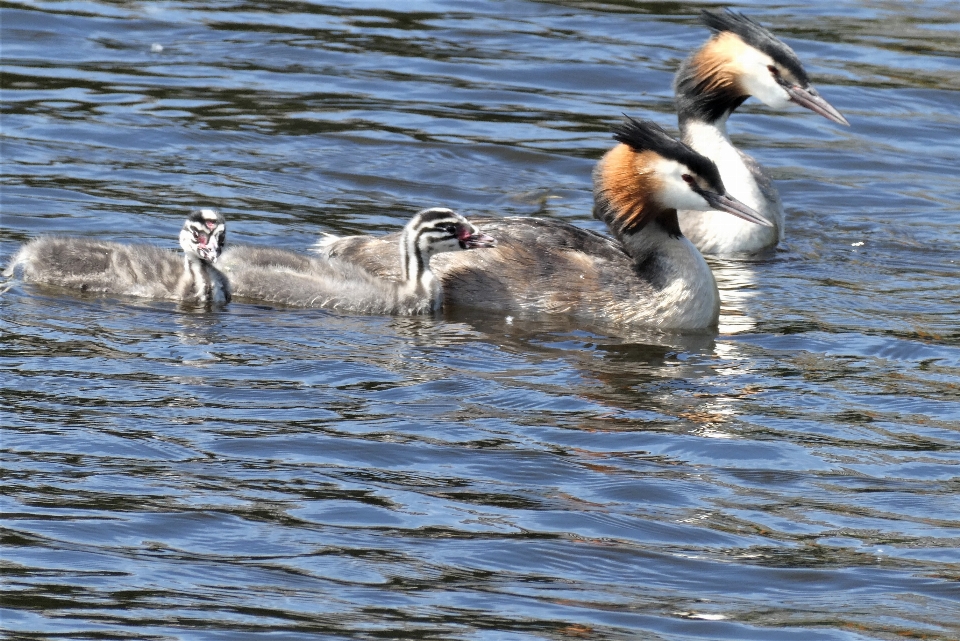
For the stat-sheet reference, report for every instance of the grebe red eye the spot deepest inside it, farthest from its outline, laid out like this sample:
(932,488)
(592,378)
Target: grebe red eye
(687,178)
(773,70)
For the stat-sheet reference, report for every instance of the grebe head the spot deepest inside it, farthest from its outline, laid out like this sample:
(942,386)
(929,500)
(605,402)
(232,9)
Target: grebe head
(651,174)
(435,231)
(439,230)
(204,235)
(744,59)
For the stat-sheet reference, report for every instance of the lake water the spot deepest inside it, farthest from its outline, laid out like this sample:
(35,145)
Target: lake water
(261,473)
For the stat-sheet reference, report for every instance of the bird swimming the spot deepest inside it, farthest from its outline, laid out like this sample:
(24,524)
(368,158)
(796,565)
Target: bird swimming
(740,60)
(146,271)
(648,276)
(284,277)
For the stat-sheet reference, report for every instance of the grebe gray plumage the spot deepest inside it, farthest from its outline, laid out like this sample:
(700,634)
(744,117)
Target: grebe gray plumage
(650,275)
(133,270)
(279,276)
(740,60)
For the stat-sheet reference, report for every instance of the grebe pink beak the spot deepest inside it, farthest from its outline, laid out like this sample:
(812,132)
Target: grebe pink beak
(733,206)
(809,98)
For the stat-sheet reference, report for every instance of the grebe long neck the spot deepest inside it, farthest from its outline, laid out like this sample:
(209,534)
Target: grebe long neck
(744,179)
(685,293)
(202,282)
(417,278)
(707,92)
(708,88)
(659,250)
(739,178)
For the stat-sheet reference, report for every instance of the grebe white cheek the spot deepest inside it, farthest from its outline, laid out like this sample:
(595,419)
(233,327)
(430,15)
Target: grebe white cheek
(758,75)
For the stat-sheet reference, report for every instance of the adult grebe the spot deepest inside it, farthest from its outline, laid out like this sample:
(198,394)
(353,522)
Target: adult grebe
(650,275)
(742,59)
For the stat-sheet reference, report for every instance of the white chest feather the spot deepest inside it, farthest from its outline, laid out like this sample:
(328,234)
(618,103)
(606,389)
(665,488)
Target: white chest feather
(687,296)
(717,232)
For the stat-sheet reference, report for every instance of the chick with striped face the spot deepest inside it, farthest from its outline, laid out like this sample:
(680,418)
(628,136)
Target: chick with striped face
(204,235)
(438,230)
(146,271)
(435,231)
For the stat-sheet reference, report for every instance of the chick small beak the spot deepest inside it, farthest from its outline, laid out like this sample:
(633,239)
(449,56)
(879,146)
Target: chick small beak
(733,206)
(208,254)
(478,240)
(810,99)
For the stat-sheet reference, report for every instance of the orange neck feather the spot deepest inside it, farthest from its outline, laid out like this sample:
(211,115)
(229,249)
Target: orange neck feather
(623,190)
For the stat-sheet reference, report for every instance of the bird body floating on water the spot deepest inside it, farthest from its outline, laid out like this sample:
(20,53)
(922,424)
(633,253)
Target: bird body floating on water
(145,271)
(279,276)
(648,276)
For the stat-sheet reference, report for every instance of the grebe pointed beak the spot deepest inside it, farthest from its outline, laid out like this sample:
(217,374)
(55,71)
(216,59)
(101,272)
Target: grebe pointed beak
(733,206)
(478,240)
(810,99)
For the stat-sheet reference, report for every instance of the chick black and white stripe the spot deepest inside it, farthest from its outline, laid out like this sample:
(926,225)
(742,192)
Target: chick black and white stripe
(283,277)
(95,266)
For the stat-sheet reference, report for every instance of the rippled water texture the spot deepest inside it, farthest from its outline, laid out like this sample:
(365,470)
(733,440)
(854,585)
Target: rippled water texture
(271,473)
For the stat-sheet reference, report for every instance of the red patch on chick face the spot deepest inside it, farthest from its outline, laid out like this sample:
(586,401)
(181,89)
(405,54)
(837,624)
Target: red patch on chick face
(464,232)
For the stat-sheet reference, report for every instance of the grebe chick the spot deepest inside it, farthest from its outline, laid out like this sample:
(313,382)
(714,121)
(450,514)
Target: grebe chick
(742,59)
(133,270)
(278,276)
(649,276)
